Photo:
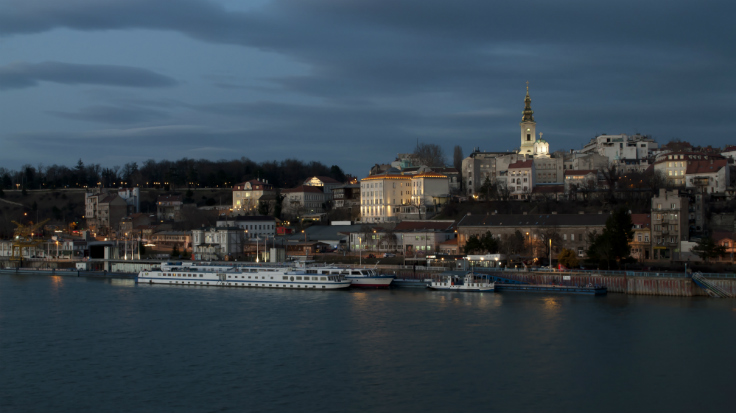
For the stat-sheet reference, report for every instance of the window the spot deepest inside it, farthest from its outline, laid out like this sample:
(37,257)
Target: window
(572,237)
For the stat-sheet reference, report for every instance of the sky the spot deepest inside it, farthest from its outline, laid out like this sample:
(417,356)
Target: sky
(353,82)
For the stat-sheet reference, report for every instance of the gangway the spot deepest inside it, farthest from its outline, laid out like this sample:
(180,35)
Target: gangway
(711,288)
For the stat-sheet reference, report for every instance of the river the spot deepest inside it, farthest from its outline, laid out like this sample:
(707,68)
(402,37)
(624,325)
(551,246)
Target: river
(72,344)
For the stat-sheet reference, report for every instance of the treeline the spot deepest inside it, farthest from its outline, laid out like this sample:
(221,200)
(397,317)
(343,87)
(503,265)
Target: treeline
(184,173)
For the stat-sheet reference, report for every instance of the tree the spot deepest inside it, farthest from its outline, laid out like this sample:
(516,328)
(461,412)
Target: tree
(708,249)
(568,258)
(457,158)
(175,251)
(484,244)
(612,245)
(489,189)
(430,154)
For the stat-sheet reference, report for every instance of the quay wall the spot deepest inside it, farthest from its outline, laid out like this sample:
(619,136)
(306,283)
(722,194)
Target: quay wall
(639,285)
(675,286)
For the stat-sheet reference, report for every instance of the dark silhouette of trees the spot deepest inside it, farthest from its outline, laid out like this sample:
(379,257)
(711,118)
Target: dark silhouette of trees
(189,173)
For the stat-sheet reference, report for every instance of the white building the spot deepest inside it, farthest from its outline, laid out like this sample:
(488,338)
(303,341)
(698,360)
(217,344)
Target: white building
(521,179)
(616,147)
(429,189)
(302,200)
(384,196)
(711,176)
(256,226)
(247,194)
(216,243)
(673,165)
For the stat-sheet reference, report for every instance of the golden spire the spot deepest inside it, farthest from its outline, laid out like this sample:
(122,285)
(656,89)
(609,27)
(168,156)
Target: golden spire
(528,113)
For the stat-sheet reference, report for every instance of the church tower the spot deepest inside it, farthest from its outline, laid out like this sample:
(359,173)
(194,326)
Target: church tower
(528,127)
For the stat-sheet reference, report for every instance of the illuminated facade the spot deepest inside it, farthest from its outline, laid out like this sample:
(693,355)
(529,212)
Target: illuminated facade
(384,196)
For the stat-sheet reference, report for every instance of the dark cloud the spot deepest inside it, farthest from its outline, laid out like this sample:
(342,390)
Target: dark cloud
(384,73)
(113,114)
(22,75)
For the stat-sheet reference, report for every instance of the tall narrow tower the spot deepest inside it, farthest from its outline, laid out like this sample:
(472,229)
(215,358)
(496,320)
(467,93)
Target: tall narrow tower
(528,126)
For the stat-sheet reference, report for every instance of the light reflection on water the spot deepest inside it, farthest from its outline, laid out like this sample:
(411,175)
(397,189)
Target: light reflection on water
(194,349)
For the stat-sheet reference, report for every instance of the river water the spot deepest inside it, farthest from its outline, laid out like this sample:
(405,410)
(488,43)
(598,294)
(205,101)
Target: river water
(72,344)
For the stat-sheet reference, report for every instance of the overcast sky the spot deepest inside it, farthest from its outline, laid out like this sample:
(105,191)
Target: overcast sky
(353,82)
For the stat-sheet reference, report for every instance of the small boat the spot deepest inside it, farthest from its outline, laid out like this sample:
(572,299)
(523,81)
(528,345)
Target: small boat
(469,282)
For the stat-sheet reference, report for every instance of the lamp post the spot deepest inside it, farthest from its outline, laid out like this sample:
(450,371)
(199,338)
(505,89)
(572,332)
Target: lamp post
(305,246)
(360,255)
(550,253)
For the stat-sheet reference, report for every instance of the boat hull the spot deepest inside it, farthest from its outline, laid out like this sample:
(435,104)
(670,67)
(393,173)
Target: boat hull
(461,289)
(371,282)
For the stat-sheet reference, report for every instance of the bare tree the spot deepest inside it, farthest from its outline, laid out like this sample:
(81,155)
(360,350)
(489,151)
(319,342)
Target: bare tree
(457,158)
(430,154)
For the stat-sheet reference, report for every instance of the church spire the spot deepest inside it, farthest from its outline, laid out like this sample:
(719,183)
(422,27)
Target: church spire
(528,113)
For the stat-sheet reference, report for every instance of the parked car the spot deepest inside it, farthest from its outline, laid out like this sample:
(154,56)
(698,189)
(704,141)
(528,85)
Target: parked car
(388,255)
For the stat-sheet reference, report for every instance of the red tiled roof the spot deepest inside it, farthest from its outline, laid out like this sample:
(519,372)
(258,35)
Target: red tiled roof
(729,149)
(521,164)
(645,220)
(705,167)
(327,180)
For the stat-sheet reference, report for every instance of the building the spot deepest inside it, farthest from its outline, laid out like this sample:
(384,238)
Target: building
(423,237)
(617,147)
(252,226)
(580,180)
(708,177)
(670,224)
(103,211)
(166,240)
(383,197)
(168,207)
(521,179)
(571,230)
(673,165)
(346,196)
(641,247)
(303,200)
(217,243)
(246,195)
(326,183)
(429,190)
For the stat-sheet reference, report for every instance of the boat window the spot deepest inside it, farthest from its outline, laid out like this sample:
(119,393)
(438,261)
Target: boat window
(272,278)
(201,275)
(299,278)
(356,272)
(323,278)
(285,277)
(325,272)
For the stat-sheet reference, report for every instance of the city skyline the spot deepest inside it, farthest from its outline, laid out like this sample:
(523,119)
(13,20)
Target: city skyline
(351,84)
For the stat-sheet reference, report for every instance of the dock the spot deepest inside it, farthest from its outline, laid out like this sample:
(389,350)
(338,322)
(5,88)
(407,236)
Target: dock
(551,289)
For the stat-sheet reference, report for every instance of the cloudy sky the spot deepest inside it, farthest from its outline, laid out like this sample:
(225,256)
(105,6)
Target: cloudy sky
(353,82)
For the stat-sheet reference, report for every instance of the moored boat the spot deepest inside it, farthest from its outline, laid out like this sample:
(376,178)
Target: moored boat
(243,276)
(468,283)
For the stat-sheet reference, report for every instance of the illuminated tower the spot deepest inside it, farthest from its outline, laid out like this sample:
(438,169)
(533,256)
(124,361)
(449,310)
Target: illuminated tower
(528,126)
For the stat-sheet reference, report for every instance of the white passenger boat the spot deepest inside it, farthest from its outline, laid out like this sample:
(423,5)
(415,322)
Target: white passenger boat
(469,282)
(366,278)
(243,276)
